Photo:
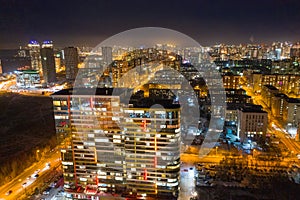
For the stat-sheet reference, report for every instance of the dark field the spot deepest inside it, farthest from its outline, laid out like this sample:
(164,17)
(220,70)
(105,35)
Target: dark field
(26,125)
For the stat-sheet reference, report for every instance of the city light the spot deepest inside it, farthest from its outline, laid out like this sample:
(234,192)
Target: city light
(148,113)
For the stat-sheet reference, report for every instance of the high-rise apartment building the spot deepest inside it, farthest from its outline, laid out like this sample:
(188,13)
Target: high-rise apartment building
(70,57)
(113,146)
(152,147)
(267,92)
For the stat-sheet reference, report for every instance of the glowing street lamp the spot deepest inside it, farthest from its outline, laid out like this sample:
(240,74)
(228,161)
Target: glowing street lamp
(253,153)
(37,154)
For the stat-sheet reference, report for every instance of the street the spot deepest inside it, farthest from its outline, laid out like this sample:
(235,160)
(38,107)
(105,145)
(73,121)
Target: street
(274,125)
(16,185)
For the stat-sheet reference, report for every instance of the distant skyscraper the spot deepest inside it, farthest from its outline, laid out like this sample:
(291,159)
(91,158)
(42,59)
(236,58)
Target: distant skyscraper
(70,56)
(58,60)
(48,65)
(107,55)
(47,44)
(34,50)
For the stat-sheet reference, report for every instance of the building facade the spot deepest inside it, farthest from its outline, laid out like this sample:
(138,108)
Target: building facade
(252,124)
(108,146)
(107,56)
(48,65)
(152,148)
(34,50)
(28,78)
(267,92)
(291,114)
(231,81)
(277,104)
(70,56)
(285,83)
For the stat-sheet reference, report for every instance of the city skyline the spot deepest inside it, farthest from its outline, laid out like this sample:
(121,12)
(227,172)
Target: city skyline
(256,125)
(87,24)
(177,100)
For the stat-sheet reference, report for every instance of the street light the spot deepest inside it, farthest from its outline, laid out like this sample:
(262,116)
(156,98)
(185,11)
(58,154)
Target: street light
(254,150)
(37,154)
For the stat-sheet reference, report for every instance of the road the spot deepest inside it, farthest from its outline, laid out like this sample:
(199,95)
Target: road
(5,85)
(16,185)
(187,181)
(10,86)
(274,125)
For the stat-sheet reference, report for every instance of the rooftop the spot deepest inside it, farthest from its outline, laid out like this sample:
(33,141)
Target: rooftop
(270,87)
(281,95)
(235,106)
(93,91)
(151,102)
(252,108)
(138,100)
(293,100)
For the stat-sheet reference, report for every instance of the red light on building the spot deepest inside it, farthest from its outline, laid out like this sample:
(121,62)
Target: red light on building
(144,125)
(145,174)
(91,103)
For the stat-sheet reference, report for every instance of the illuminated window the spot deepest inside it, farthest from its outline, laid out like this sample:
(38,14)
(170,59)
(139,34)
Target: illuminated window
(56,103)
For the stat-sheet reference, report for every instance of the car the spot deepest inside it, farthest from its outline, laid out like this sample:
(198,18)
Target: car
(191,168)
(47,191)
(8,193)
(36,175)
(199,164)
(24,184)
(185,170)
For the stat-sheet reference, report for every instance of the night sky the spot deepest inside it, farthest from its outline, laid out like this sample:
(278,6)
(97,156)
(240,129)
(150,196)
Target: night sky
(88,22)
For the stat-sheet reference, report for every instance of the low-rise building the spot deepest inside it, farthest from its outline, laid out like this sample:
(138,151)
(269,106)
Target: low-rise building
(27,78)
(252,124)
